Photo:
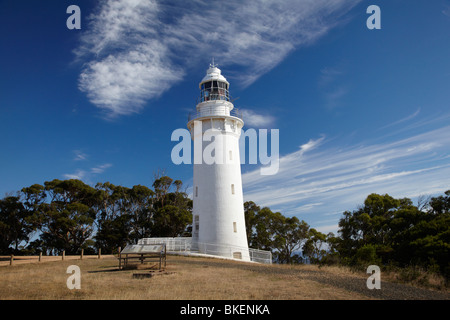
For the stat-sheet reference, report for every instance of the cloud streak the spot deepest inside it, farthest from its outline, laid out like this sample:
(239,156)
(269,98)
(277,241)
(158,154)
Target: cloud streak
(85,175)
(100,169)
(407,118)
(446,10)
(79,155)
(78,175)
(253,119)
(331,85)
(135,50)
(321,180)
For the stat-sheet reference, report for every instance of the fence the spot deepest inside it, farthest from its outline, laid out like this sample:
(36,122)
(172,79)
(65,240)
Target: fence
(12,259)
(227,251)
(181,244)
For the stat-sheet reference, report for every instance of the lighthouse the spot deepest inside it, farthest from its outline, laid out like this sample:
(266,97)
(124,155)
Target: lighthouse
(218,225)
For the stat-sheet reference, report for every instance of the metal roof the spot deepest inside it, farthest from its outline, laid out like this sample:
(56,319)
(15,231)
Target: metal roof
(213,73)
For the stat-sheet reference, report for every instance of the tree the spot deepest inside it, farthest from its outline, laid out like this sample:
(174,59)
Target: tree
(395,231)
(113,218)
(162,186)
(267,230)
(67,221)
(14,224)
(331,255)
(314,246)
(67,212)
(107,202)
(262,230)
(441,204)
(289,238)
(141,211)
(33,199)
(250,212)
(370,225)
(171,221)
(114,233)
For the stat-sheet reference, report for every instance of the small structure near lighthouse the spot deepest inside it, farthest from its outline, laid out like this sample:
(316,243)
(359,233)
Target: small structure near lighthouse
(218,204)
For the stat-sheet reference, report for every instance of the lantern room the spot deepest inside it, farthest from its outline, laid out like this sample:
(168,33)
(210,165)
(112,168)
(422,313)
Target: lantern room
(214,86)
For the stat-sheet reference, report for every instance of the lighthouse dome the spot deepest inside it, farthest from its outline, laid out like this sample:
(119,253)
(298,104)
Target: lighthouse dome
(214,73)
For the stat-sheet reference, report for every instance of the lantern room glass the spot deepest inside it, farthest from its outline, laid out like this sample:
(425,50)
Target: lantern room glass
(214,90)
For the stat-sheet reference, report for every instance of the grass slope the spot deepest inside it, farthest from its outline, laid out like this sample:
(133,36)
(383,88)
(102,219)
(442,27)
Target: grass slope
(192,278)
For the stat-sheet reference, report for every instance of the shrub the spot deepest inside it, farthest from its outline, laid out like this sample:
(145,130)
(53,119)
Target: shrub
(366,255)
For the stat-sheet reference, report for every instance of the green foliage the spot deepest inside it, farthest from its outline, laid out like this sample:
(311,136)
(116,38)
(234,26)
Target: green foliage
(15,225)
(267,230)
(69,215)
(394,231)
(314,246)
(366,256)
(66,220)
(128,214)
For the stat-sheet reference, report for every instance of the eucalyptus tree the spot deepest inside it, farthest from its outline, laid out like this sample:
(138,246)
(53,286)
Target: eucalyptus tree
(394,231)
(272,231)
(15,225)
(66,219)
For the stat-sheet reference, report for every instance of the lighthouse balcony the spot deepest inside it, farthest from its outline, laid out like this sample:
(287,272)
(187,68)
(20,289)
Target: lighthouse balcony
(215,111)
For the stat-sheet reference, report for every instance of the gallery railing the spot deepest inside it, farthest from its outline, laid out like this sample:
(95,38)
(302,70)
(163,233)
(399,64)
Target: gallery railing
(215,111)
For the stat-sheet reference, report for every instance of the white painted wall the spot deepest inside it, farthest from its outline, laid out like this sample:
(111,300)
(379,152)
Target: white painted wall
(218,198)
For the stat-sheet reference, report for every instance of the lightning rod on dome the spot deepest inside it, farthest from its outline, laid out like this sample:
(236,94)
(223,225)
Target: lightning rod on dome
(213,65)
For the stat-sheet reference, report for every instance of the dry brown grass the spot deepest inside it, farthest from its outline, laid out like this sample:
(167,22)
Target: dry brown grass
(100,279)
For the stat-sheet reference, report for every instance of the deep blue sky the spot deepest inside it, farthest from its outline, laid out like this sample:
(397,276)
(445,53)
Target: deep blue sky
(359,110)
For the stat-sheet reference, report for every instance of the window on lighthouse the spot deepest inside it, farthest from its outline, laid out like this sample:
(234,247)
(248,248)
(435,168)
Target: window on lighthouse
(214,90)
(196,225)
(232,189)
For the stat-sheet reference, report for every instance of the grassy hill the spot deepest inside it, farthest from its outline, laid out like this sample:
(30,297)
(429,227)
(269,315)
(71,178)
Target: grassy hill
(194,278)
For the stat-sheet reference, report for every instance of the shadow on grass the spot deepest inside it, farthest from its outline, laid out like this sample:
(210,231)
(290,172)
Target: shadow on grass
(107,271)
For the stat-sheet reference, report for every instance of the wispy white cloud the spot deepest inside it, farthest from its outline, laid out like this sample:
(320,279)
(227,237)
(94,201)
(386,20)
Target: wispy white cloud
(322,179)
(332,87)
(311,144)
(253,119)
(328,75)
(335,96)
(405,119)
(86,175)
(446,10)
(135,50)
(78,175)
(126,63)
(101,168)
(79,155)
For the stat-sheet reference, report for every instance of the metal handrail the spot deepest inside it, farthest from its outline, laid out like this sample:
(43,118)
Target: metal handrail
(186,245)
(214,93)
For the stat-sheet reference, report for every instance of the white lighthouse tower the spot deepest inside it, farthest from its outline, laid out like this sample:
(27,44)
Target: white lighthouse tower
(218,206)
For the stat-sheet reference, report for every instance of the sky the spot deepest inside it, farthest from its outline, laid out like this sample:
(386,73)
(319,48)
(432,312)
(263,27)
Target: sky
(358,110)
